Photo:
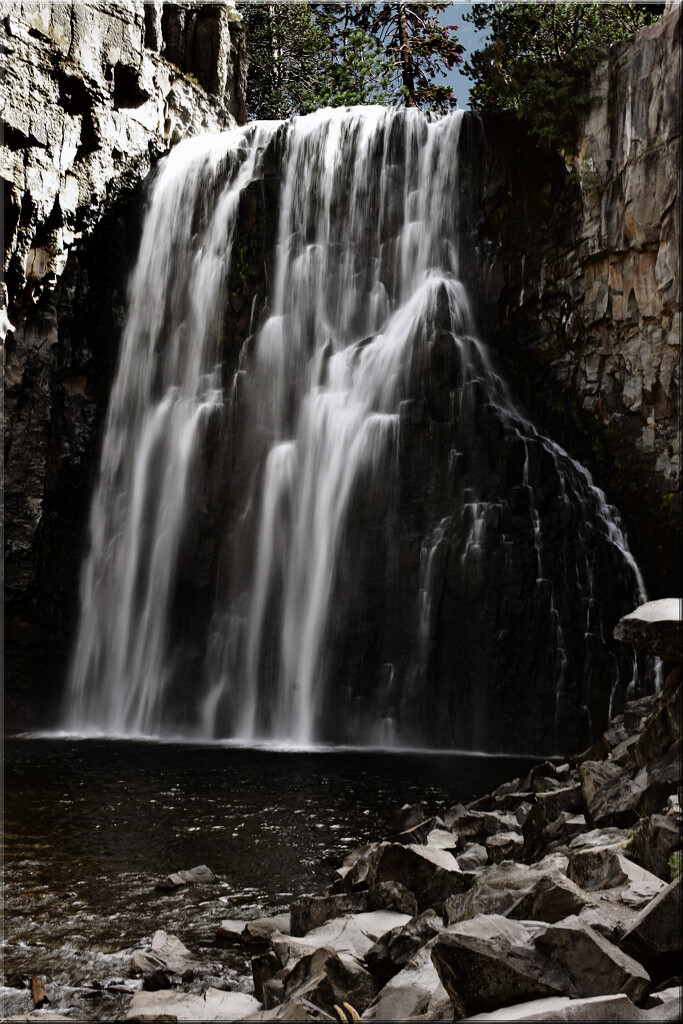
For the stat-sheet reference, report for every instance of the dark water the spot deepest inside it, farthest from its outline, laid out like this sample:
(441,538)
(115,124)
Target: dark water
(91,825)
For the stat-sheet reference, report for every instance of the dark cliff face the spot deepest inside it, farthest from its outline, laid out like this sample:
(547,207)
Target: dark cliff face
(523,224)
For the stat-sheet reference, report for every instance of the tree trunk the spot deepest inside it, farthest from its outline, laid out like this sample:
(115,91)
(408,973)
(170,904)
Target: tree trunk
(405,56)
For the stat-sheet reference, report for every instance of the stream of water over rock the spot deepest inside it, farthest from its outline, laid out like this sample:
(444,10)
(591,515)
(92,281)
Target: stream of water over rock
(408,559)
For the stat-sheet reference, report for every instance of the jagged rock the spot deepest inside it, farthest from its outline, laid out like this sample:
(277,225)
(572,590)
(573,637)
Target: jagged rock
(441,839)
(500,886)
(490,961)
(504,846)
(391,953)
(551,898)
(563,829)
(638,885)
(192,876)
(324,978)
(595,1008)
(410,992)
(476,826)
(260,931)
(595,774)
(654,840)
(214,1004)
(392,896)
(230,932)
(351,934)
(654,938)
(310,912)
(167,957)
(264,967)
(473,857)
(664,727)
(587,851)
(634,792)
(655,627)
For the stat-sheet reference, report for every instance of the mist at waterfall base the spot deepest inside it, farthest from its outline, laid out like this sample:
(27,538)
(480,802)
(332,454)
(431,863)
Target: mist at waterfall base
(340,528)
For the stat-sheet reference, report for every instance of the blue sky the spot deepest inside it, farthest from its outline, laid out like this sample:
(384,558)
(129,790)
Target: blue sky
(470,38)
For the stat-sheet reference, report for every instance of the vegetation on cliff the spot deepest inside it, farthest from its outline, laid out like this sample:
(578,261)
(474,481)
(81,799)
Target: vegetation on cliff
(539,58)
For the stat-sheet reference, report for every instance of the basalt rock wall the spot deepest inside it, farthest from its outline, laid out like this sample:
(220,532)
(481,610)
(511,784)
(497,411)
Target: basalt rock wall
(92,95)
(576,268)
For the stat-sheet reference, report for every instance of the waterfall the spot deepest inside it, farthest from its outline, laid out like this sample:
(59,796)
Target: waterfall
(397,551)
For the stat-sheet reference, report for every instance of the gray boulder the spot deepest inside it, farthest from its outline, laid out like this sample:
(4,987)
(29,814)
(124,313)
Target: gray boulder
(324,978)
(587,851)
(167,962)
(501,885)
(214,1004)
(552,898)
(491,962)
(473,857)
(349,935)
(504,846)
(655,627)
(410,992)
(637,792)
(393,951)
(654,840)
(654,938)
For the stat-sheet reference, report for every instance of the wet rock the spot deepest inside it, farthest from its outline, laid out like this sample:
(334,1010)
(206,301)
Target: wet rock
(260,931)
(325,978)
(230,932)
(214,1004)
(192,876)
(501,885)
(168,956)
(655,627)
(654,840)
(654,938)
(504,846)
(410,992)
(391,953)
(310,912)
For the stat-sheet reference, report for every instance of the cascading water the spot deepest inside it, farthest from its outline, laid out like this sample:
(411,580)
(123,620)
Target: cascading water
(403,557)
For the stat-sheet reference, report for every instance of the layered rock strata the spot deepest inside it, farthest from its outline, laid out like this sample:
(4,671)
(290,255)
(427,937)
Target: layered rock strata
(581,282)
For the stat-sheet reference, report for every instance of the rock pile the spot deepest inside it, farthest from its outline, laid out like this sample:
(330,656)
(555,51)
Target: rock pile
(556,897)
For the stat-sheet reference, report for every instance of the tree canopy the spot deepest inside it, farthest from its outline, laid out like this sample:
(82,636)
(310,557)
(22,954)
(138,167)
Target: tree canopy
(307,55)
(540,56)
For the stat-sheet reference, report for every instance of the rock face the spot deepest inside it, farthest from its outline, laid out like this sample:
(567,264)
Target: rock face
(92,94)
(582,288)
(655,627)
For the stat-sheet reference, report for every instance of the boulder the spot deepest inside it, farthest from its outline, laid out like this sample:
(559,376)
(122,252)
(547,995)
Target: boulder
(594,775)
(664,727)
(504,846)
(587,851)
(410,992)
(324,978)
(431,874)
(392,896)
(473,857)
(395,949)
(230,932)
(214,1004)
(264,967)
(491,962)
(475,826)
(654,938)
(551,898)
(634,793)
(554,801)
(501,885)
(192,876)
(564,828)
(595,1008)
(441,839)
(260,931)
(654,840)
(168,958)
(655,627)
(351,935)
